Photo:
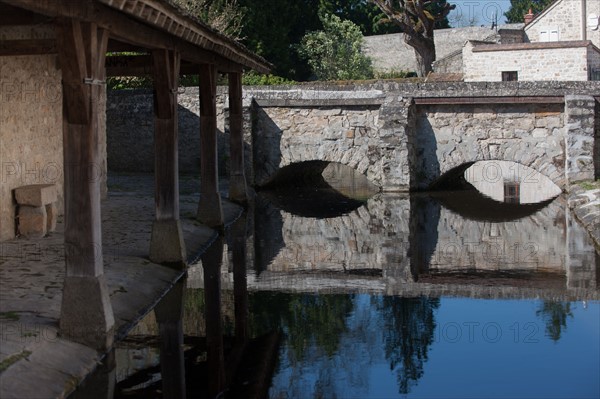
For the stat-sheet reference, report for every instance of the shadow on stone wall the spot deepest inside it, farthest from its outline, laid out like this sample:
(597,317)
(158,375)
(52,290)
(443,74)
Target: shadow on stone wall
(266,157)
(130,136)
(422,150)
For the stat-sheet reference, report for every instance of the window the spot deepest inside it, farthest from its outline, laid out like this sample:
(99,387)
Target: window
(549,35)
(594,73)
(512,192)
(510,76)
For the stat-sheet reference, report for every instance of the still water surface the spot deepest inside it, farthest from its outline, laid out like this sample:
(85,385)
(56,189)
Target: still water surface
(425,296)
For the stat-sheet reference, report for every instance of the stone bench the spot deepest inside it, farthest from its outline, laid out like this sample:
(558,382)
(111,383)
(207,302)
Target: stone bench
(37,212)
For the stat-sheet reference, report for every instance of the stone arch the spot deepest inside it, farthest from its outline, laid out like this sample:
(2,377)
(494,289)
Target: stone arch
(307,167)
(524,153)
(491,176)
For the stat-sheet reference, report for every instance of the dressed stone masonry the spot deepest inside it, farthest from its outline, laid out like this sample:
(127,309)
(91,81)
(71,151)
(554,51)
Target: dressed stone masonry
(37,209)
(400,135)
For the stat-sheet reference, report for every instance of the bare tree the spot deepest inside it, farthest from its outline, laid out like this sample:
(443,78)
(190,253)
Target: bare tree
(417,19)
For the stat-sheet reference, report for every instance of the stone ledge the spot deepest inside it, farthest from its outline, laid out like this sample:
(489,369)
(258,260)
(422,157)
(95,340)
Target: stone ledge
(36,194)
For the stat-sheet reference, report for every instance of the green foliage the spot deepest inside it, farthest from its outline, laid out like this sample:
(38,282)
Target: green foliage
(255,79)
(224,16)
(366,15)
(518,9)
(128,82)
(395,75)
(555,315)
(335,52)
(273,27)
(306,320)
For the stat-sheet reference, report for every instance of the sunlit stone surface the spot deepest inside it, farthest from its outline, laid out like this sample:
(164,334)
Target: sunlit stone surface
(492,177)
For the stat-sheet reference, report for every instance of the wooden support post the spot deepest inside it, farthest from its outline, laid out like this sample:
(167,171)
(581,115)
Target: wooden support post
(166,244)
(210,211)
(86,313)
(169,315)
(237,179)
(211,263)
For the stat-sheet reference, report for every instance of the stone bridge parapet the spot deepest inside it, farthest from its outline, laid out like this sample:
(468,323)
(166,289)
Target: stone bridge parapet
(400,135)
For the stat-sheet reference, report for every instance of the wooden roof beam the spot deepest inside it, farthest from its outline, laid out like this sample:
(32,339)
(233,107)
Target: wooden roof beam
(128,30)
(27,47)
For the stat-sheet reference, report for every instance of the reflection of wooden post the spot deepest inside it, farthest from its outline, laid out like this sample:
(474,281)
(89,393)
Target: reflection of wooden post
(237,179)
(211,262)
(169,315)
(240,286)
(209,208)
(166,244)
(86,312)
(101,383)
(240,295)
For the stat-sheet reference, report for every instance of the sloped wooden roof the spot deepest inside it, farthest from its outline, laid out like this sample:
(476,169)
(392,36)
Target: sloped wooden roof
(153,24)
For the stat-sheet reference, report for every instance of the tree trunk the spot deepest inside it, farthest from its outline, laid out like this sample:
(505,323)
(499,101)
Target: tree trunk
(424,52)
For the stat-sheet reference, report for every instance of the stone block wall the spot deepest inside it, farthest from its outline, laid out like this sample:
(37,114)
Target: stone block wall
(450,64)
(130,131)
(30,123)
(566,15)
(565,64)
(391,53)
(286,135)
(373,127)
(597,141)
(448,136)
(580,124)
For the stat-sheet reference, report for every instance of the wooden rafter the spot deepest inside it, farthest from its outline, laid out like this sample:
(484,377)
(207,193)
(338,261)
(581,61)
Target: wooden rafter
(195,42)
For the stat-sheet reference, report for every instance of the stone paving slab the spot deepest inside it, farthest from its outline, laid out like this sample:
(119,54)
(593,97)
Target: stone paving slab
(34,360)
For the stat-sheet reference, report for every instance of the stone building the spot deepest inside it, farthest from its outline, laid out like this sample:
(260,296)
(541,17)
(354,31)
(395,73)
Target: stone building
(559,43)
(391,53)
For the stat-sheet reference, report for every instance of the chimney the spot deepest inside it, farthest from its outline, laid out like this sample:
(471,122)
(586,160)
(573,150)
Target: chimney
(529,17)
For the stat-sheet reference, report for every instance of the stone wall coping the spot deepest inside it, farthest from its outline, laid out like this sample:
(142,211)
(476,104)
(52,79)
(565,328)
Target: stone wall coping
(484,47)
(331,102)
(383,88)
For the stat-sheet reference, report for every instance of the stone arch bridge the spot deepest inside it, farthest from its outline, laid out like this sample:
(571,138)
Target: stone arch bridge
(409,136)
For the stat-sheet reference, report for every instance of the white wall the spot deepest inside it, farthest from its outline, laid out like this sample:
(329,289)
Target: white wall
(567,64)
(488,177)
(566,15)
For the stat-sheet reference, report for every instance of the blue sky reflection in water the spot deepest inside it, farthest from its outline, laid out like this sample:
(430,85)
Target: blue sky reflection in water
(383,347)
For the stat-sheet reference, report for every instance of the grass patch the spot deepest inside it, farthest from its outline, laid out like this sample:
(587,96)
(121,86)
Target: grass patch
(589,185)
(12,316)
(9,361)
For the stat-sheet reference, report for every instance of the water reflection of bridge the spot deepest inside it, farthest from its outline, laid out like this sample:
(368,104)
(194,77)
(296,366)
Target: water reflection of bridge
(415,246)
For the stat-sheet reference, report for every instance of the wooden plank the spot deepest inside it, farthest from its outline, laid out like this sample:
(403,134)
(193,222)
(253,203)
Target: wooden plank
(27,47)
(15,16)
(210,211)
(237,179)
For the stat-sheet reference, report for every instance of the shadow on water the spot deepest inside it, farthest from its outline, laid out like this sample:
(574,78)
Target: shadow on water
(317,189)
(473,205)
